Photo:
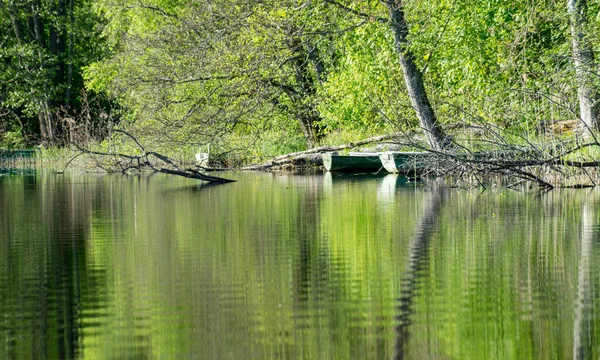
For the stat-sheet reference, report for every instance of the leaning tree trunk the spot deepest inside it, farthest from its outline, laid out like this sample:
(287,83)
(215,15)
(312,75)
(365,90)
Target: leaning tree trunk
(584,60)
(414,79)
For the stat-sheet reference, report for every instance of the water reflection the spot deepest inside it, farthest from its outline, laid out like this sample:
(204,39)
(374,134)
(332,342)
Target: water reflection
(583,328)
(415,263)
(287,266)
(390,184)
(44,264)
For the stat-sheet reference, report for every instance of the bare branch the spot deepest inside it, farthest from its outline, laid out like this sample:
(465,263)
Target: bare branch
(357,13)
(138,162)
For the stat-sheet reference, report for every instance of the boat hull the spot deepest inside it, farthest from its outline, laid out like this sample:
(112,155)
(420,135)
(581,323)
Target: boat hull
(403,162)
(362,163)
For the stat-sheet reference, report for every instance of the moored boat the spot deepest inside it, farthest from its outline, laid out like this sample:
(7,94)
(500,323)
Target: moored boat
(404,161)
(353,162)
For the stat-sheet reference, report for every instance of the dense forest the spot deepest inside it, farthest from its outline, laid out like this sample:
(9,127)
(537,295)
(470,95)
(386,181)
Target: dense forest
(259,78)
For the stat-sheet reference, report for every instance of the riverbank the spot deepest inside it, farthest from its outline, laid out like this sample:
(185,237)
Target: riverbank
(540,161)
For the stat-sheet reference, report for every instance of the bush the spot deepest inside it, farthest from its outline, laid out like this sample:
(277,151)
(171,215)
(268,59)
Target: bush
(12,140)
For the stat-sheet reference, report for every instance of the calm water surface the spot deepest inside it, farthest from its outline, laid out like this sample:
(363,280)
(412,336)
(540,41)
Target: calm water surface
(294,267)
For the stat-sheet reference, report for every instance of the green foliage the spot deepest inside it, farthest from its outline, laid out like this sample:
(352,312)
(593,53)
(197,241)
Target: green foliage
(501,65)
(12,140)
(368,85)
(190,73)
(201,77)
(45,44)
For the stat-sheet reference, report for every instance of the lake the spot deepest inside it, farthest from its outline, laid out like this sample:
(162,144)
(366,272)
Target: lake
(283,266)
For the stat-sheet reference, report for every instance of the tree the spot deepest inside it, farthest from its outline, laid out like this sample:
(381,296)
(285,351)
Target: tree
(583,58)
(282,75)
(218,72)
(45,45)
(414,78)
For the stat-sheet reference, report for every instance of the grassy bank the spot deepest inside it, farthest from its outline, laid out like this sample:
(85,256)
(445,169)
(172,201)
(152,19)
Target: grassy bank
(548,160)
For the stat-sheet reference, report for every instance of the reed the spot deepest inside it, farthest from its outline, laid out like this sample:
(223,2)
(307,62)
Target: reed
(18,158)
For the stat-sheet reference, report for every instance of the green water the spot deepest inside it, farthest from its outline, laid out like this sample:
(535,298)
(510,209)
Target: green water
(294,267)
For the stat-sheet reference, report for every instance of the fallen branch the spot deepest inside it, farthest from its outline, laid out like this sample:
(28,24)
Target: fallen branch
(139,162)
(307,155)
(314,159)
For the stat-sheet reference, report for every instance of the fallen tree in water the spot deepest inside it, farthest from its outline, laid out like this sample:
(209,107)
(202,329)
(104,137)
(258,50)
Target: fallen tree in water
(481,155)
(312,156)
(546,162)
(150,160)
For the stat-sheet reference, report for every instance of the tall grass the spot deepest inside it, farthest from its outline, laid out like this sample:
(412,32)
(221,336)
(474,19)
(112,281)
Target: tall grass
(12,159)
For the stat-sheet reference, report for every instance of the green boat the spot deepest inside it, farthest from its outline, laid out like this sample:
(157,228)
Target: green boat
(403,162)
(353,162)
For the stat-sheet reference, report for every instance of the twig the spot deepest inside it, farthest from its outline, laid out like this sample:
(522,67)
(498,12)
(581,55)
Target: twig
(144,161)
(357,13)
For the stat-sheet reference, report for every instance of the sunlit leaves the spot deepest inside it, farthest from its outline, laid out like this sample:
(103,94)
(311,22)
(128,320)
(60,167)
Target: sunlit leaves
(496,61)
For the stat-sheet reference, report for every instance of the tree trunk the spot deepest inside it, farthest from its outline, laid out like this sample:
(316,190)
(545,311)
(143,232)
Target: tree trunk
(54,39)
(44,115)
(306,113)
(309,120)
(70,55)
(16,23)
(58,37)
(414,79)
(317,62)
(43,121)
(38,26)
(584,62)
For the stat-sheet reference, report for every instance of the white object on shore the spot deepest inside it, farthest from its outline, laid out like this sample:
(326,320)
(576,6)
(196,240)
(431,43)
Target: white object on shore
(202,158)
